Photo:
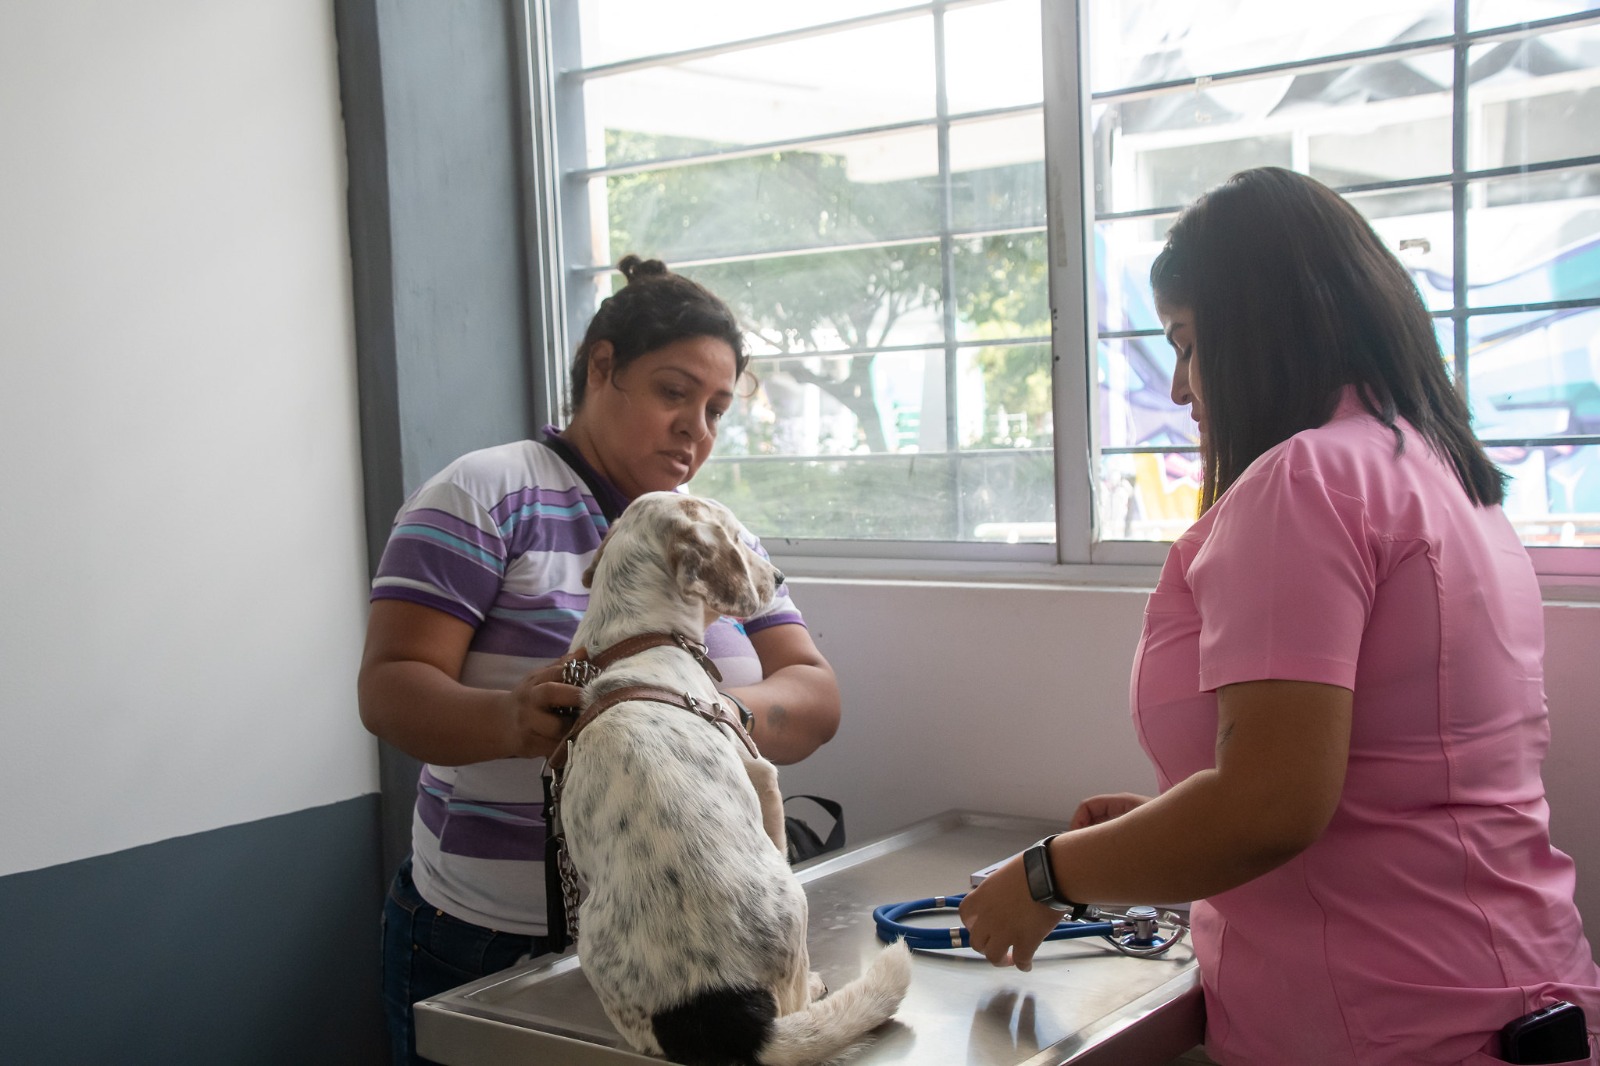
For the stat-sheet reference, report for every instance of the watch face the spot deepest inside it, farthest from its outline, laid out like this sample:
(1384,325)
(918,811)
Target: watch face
(1036,862)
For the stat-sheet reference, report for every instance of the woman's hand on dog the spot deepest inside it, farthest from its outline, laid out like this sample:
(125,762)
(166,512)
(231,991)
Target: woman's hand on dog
(543,709)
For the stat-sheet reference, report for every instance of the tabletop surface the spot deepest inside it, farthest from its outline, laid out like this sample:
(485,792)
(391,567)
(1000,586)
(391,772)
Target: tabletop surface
(1079,998)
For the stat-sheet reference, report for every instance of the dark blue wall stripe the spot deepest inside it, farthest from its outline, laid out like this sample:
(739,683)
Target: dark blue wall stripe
(257,943)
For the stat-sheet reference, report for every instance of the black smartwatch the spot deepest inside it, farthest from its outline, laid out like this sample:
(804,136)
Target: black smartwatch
(1042,882)
(747,717)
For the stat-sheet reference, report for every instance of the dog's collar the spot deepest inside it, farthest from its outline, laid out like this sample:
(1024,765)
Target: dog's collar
(582,671)
(712,711)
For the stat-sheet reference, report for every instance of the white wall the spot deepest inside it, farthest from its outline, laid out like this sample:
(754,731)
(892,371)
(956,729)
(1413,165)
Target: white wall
(1015,700)
(182,571)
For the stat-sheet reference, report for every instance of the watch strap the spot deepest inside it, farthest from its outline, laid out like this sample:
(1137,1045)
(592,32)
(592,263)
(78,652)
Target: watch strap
(747,717)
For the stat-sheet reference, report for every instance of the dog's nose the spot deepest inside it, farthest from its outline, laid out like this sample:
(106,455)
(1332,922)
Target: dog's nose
(777,578)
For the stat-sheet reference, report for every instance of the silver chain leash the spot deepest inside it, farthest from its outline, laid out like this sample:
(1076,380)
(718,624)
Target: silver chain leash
(579,672)
(569,890)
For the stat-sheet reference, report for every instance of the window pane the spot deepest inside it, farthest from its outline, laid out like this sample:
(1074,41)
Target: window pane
(974,37)
(1144,42)
(883,498)
(614,30)
(1487,14)
(1148,496)
(1008,496)
(1416,224)
(1364,122)
(1000,496)
(1002,287)
(827,301)
(777,201)
(1135,386)
(1535,374)
(1376,143)
(1535,99)
(1534,237)
(1165,151)
(1124,250)
(1004,397)
(814,405)
(1554,493)
(810,87)
(997,173)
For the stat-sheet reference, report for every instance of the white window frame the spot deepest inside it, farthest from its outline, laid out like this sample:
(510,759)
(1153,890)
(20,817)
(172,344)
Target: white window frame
(1077,556)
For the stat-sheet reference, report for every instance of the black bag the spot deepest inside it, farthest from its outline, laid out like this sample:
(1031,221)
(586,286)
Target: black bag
(804,843)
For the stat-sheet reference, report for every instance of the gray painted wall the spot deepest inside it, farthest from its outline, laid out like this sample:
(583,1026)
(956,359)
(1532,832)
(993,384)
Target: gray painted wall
(431,103)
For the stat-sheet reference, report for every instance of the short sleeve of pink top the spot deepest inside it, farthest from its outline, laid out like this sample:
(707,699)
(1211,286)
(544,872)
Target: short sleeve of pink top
(1433,910)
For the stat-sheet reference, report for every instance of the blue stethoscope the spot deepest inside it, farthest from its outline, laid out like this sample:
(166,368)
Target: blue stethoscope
(1143,932)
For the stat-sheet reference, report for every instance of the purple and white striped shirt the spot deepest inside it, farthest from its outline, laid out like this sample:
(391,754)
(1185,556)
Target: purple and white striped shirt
(500,539)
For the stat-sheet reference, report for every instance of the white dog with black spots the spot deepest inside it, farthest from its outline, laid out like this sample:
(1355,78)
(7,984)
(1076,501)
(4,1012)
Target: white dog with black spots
(693,926)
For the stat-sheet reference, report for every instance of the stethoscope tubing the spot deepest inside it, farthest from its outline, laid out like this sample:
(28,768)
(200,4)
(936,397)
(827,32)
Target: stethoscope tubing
(888,920)
(890,928)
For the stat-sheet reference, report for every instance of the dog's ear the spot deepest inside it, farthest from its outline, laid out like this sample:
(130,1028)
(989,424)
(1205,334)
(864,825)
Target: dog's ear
(588,573)
(709,563)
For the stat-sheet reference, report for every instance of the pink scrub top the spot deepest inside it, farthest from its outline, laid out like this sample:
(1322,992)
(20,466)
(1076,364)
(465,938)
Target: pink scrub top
(1433,909)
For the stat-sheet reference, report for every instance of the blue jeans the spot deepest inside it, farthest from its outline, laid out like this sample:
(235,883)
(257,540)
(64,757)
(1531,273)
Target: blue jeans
(427,952)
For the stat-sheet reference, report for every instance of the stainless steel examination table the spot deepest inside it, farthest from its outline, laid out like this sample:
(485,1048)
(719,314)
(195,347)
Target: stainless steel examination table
(1082,1003)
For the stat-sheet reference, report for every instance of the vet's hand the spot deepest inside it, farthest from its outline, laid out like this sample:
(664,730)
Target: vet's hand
(1005,924)
(1097,809)
(543,709)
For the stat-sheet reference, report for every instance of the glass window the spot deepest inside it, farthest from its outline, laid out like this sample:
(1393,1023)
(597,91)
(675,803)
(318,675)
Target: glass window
(822,197)
(993,56)
(1533,374)
(1534,99)
(868,185)
(853,78)
(1534,238)
(1150,42)
(1492,14)
(615,31)
(1194,94)
(868,193)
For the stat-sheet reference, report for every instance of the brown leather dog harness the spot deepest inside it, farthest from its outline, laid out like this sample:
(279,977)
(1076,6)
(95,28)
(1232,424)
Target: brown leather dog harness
(582,671)
(713,712)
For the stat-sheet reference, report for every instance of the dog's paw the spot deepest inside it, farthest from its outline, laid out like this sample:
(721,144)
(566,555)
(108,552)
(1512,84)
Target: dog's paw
(817,986)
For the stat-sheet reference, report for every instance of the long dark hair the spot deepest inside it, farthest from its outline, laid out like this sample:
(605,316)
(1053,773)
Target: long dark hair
(654,309)
(1294,297)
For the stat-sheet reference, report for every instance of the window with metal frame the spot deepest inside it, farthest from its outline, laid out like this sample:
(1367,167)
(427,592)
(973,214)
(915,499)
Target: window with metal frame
(929,215)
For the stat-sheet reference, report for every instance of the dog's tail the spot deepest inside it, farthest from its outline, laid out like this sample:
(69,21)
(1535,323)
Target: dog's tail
(835,1024)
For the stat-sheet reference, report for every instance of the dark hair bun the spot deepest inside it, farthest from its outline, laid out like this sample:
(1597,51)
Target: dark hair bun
(654,309)
(633,268)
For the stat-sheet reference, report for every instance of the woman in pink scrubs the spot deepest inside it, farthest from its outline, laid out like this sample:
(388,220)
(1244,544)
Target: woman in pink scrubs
(1339,681)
